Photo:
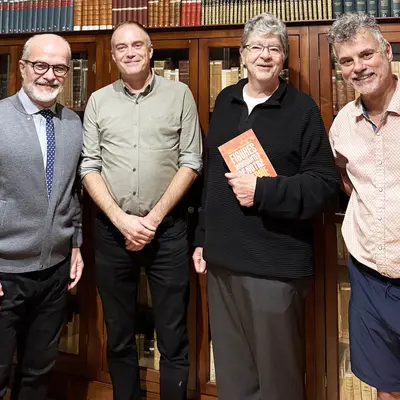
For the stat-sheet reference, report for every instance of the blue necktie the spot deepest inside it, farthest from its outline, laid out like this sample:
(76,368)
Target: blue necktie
(51,148)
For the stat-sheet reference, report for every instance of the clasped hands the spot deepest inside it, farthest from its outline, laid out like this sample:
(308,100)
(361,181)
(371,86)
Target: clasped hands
(137,231)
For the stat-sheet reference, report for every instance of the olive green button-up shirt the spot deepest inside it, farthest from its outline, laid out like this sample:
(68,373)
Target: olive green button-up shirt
(138,142)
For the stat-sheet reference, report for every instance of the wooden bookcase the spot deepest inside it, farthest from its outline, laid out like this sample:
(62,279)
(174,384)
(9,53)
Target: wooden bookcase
(84,374)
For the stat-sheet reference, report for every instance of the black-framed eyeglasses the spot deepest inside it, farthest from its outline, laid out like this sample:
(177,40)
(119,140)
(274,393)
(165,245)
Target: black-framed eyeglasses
(40,67)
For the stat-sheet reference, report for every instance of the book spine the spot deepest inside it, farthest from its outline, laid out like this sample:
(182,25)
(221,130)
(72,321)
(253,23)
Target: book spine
(395,7)
(384,8)
(361,6)
(103,15)
(51,15)
(337,8)
(348,6)
(372,8)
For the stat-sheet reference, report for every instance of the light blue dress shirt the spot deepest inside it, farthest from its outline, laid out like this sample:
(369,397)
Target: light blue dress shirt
(40,122)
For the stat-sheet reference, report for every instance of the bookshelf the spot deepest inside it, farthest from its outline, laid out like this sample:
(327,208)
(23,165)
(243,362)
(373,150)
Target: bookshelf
(186,54)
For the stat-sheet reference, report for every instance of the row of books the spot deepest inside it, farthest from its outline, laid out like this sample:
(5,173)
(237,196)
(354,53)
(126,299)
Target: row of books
(376,8)
(212,364)
(22,16)
(239,11)
(343,291)
(168,70)
(350,387)
(342,93)
(74,94)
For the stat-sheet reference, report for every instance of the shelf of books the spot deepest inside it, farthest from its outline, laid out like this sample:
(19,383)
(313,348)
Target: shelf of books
(75,92)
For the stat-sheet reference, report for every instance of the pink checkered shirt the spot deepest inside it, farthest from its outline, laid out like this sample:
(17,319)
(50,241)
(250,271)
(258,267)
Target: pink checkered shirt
(371,227)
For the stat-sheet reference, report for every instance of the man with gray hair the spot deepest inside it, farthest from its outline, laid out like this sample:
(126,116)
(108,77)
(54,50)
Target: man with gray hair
(257,232)
(365,141)
(40,224)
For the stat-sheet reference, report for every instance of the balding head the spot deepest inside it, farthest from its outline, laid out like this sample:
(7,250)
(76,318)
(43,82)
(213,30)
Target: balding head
(46,41)
(44,67)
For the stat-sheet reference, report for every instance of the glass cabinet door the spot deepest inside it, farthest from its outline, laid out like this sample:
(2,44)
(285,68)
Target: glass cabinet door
(74,338)
(350,387)
(4,75)
(9,70)
(174,60)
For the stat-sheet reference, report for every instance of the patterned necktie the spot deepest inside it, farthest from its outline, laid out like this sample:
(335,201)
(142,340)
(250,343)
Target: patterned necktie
(51,148)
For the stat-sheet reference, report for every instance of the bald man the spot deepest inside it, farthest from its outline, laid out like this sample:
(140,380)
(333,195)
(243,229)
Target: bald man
(40,228)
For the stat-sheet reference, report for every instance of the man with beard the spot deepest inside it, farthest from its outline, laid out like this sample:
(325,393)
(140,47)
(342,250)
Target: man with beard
(257,232)
(365,141)
(141,153)
(40,228)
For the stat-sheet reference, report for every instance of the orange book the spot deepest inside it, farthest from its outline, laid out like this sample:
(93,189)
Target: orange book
(244,154)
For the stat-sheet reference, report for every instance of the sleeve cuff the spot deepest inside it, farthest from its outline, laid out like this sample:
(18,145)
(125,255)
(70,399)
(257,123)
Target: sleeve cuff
(77,238)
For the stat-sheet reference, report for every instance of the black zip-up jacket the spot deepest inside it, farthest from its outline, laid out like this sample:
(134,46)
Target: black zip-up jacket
(273,238)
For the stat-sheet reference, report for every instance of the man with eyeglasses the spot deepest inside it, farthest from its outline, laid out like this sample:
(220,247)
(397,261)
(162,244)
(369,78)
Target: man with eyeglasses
(40,224)
(142,152)
(255,237)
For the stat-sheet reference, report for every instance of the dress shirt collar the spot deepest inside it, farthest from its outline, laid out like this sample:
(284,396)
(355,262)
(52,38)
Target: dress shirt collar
(146,90)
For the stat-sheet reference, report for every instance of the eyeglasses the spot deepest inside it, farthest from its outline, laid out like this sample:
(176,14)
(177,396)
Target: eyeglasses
(273,49)
(41,68)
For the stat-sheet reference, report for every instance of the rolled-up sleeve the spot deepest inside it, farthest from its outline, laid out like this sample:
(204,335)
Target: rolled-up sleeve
(190,146)
(91,158)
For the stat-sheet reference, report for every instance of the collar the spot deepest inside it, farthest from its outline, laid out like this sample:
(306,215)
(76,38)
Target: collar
(275,99)
(357,108)
(150,86)
(31,107)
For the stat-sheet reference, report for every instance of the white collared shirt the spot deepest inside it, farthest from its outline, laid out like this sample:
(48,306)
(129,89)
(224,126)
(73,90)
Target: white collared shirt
(40,122)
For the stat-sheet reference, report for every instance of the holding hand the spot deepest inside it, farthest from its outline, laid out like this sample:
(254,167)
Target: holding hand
(1,291)
(244,187)
(138,231)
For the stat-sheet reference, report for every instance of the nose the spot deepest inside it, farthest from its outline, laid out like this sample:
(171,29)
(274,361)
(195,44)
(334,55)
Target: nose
(358,65)
(265,53)
(49,75)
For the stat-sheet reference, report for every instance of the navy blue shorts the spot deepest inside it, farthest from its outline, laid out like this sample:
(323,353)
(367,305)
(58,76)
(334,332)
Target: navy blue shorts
(374,326)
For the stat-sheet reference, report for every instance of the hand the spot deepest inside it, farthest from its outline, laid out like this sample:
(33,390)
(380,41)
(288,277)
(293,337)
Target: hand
(1,290)
(76,268)
(144,234)
(136,232)
(199,264)
(244,187)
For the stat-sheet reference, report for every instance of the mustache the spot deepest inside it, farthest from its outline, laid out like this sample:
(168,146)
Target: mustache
(48,83)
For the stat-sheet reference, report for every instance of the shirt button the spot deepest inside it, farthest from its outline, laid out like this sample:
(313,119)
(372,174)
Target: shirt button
(135,123)
(380,162)
(134,193)
(380,189)
(134,146)
(134,170)
(378,134)
(379,218)
(380,247)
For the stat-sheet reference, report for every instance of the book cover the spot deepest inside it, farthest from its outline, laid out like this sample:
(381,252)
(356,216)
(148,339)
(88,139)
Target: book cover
(244,154)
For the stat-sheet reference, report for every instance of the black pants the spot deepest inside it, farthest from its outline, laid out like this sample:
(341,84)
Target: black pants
(257,330)
(117,273)
(32,315)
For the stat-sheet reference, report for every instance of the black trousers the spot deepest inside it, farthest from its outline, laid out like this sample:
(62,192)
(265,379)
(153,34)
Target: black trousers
(117,274)
(257,330)
(32,315)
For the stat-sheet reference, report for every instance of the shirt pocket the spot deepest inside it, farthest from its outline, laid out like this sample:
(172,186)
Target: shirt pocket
(164,132)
